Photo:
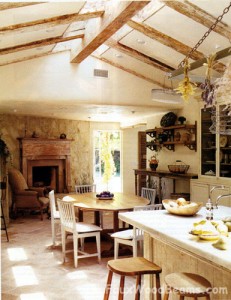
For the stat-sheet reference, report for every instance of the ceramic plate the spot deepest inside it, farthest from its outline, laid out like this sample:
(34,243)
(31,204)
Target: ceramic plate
(209,237)
(223,141)
(104,198)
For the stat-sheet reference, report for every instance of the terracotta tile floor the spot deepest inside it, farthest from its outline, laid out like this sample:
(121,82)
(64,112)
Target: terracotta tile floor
(32,268)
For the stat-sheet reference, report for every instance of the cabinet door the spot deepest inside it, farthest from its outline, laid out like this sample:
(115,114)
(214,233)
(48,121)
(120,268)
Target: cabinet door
(199,192)
(208,143)
(224,141)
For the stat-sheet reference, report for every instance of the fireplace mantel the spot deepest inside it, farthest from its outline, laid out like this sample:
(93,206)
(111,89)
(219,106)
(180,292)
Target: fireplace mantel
(38,152)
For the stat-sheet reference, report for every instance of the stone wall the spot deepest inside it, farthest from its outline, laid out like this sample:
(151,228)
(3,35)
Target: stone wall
(12,127)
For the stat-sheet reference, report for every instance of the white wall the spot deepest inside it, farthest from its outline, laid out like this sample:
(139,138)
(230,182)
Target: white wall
(130,157)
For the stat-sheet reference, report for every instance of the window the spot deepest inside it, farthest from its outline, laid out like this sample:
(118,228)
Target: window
(107,160)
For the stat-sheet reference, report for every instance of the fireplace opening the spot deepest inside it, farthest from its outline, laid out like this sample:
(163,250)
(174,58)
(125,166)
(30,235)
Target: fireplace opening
(46,176)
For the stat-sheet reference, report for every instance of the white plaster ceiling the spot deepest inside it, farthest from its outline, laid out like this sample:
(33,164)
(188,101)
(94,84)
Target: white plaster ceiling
(42,81)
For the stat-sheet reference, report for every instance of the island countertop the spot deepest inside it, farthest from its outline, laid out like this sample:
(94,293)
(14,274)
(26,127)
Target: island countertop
(174,230)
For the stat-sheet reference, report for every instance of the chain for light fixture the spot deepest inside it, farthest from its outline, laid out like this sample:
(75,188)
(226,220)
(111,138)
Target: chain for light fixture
(212,27)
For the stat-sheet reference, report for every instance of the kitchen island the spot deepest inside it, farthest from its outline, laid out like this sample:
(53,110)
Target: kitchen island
(168,243)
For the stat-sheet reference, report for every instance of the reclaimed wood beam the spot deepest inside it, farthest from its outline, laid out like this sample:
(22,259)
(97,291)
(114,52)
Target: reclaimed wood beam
(98,31)
(21,59)
(10,5)
(164,39)
(128,70)
(40,43)
(170,42)
(138,55)
(50,22)
(199,15)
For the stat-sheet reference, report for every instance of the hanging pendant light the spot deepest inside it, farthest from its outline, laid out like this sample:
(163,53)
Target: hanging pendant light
(166,95)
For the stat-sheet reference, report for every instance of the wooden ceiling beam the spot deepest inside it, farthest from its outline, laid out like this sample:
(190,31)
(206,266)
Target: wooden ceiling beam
(170,42)
(21,59)
(130,71)
(10,5)
(138,55)
(40,43)
(50,22)
(98,31)
(163,39)
(199,15)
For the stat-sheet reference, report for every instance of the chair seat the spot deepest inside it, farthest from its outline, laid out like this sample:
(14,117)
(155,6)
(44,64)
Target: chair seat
(126,235)
(188,283)
(44,200)
(82,227)
(133,266)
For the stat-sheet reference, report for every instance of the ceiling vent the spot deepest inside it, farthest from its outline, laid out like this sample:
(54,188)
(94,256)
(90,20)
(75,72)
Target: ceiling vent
(101,73)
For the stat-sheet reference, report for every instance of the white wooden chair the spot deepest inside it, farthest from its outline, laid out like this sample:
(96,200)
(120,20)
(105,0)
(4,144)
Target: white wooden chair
(131,237)
(87,188)
(80,230)
(148,193)
(55,217)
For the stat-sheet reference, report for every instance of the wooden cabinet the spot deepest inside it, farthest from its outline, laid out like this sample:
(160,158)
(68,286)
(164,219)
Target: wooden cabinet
(216,142)
(171,136)
(199,192)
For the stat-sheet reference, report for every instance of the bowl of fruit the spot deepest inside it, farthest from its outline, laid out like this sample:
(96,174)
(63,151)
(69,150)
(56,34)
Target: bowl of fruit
(105,195)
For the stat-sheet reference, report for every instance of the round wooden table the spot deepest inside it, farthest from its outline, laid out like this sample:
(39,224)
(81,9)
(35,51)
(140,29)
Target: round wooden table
(120,202)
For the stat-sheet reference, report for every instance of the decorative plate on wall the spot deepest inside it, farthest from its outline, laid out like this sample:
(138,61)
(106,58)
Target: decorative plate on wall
(223,141)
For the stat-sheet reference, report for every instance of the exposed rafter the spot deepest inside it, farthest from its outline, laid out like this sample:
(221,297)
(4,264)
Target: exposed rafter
(40,43)
(50,22)
(10,5)
(133,72)
(137,55)
(97,33)
(199,15)
(170,42)
(16,60)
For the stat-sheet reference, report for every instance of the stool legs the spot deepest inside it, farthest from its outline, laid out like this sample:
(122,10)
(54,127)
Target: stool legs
(121,290)
(158,289)
(108,287)
(138,286)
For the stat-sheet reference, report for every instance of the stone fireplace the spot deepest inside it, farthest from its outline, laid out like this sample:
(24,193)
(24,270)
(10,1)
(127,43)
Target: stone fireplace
(46,162)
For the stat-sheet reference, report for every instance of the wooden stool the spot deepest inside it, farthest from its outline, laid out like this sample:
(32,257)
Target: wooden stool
(133,266)
(187,285)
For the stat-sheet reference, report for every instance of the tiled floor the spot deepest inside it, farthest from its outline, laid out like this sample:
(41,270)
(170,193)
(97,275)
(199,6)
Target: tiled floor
(32,268)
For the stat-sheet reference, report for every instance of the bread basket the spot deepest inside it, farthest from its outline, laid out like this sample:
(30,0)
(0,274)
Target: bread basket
(178,167)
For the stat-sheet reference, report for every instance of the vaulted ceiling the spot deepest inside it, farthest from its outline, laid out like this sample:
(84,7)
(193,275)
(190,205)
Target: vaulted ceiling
(129,47)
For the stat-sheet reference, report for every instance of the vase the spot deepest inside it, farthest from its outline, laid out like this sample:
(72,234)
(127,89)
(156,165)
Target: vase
(153,166)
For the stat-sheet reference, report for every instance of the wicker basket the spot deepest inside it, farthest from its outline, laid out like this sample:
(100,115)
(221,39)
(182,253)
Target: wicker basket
(179,167)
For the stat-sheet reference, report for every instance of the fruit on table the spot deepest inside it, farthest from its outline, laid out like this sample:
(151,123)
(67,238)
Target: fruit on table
(227,221)
(206,227)
(105,194)
(181,201)
(222,243)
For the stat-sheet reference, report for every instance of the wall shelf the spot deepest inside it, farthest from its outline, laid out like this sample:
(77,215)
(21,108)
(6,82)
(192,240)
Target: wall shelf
(168,137)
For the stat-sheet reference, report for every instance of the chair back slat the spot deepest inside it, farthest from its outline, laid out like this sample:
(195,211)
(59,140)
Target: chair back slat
(52,204)
(87,188)
(149,194)
(149,207)
(67,214)
(139,232)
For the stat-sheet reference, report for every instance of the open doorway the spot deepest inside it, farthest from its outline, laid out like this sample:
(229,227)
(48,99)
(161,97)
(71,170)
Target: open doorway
(107,160)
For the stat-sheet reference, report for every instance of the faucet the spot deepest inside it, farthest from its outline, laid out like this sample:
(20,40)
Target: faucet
(219,197)
(209,204)
(216,187)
